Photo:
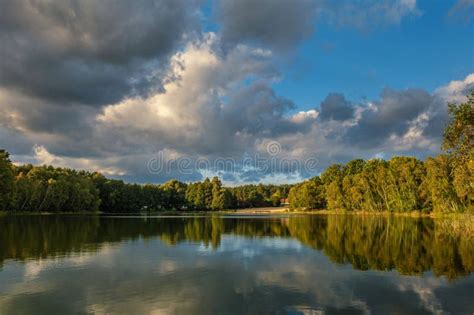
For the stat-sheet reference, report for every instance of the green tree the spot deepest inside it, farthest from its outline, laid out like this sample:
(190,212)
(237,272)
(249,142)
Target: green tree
(6,180)
(207,193)
(354,167)
(332,173)
(332,180)
(459,134)
(174,193)
(222,200)
(218,201)
(463,182)
(405,177)
(275,199)
(438,186)
(308,195)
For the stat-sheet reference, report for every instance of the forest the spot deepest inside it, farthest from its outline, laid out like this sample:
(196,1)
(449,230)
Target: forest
(441,184)
(29,188)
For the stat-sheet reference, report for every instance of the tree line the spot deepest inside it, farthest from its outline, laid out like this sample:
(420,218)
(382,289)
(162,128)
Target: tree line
(401,184)
(29,188)
(444,183)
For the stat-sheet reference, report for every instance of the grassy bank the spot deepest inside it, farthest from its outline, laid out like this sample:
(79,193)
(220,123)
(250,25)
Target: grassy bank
(414,214)
(8,213)
(265,210)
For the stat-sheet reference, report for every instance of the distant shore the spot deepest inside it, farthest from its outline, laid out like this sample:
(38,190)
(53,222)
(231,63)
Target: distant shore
(260,211)
(286,210)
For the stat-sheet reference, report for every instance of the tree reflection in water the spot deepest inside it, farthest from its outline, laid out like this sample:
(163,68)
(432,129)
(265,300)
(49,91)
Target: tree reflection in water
(410,246)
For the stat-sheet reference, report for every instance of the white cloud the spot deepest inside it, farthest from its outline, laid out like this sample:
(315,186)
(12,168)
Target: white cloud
(191,108)
(217,103)
(456,91)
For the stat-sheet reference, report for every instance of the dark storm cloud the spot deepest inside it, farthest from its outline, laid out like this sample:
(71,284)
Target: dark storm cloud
(257,110)
(437,123)
(336,107)
(84,81)
(392,114)
(89,52)
(15,142)
(66,129)
(52,119)
(277,23)
(282,24)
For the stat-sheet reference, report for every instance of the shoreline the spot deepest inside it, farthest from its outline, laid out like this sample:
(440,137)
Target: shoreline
(258,211)
(286,210)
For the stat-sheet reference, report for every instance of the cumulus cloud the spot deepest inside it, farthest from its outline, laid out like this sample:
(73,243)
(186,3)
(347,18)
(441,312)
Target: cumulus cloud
(66,130)
(454,92)
(89,52)
(399,122)
(107,86)
(391,115)
(221,106)
(336,107)
(200,117)
(208,107)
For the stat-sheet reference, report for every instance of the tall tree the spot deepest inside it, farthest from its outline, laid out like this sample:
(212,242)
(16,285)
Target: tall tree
(459,134)
(459,144)
(6,180)
(218,201)
(439,186)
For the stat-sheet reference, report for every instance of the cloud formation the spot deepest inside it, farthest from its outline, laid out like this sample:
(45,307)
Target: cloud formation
(391,115)
(106,86)
(238,121)
(278,23)
(223,106)
(336,107)
(282,24)
(91,53)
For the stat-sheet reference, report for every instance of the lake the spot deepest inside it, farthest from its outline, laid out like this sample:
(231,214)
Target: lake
(285,264)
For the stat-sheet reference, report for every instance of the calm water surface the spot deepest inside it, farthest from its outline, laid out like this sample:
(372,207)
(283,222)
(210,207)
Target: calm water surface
(233,265)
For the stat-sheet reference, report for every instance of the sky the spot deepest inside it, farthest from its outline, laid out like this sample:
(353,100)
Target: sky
(270,91)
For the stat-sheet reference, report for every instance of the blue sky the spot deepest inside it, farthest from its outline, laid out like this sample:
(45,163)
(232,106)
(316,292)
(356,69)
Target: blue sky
(423,51)
(116,86)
